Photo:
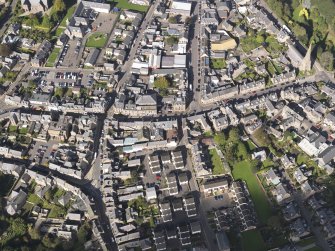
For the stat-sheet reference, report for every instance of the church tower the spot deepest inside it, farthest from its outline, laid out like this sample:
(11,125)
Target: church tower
(306,63)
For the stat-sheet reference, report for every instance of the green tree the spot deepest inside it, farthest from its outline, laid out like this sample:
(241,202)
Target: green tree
(327,60)
(260,39)
(33,20)
(233,135)
(33,232)
(162,83)
(46,21)
(171,40)
(173,20)
(300,31)
(48,195)
(59,6)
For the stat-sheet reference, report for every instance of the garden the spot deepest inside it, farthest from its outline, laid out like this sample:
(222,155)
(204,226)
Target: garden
(96,40)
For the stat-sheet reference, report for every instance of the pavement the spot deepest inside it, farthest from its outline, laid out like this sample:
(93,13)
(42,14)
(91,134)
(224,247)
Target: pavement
(4,24)
(125,68)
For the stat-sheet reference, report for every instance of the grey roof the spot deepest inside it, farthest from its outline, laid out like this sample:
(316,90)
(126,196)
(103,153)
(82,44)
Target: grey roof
(92,57)
(328,155)
(146,100)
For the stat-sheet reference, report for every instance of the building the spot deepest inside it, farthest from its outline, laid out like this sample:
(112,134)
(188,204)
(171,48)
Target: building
(222,241)
(181,8)
(306,64)
(34,6)
(271,177)
(212,187)
(15,202)
(92,57)
(42,54)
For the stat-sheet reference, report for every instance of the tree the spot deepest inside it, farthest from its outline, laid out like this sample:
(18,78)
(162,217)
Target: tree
(162,83)
(260,39)
(233,135)
(5,50)
(173,20)
(171,40)
(300,32)
(59,6)
(33,20)
(33,232)
(49,195)
(327,60)
(83,233)
(46,21)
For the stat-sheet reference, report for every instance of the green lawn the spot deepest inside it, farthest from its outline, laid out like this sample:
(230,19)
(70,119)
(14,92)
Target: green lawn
(267,163)
(124,4)
(306,242)
(261,137)
(252,240)
(315,248)
(242,170)
(96,40)
(56,212)
(59,31)
(218,168)
(12,128)
(251,145)
(68,15)
(52,58)
(23,130)
(218,63)
(34,199)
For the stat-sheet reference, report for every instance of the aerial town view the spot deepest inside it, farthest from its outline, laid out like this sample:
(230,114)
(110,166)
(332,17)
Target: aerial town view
(196,125)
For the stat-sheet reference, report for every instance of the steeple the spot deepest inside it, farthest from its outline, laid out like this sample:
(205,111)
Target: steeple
(306,63)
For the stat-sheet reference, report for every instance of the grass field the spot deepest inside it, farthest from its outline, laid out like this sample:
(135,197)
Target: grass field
(52,58)
(96,40)
(242,170)
(12,128)
(218,63)
(23,130)
(306,242)
(251,145)
(59,31)
(68,15)
(252,240)
(124,4)
(218,168)
(261,137)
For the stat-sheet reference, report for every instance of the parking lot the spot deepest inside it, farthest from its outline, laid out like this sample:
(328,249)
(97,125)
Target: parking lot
(63,78)
(70,53)
(216,202)
(40,151)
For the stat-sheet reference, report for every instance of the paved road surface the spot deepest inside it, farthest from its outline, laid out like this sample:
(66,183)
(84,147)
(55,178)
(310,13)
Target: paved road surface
(4,23)
(127,65)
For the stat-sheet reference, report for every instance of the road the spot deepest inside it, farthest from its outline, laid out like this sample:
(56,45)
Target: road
(299,45)
(4,22)
(194,68)
(125,68)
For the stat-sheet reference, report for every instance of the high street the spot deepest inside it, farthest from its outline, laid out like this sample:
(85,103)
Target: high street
(127,65)
(4,23)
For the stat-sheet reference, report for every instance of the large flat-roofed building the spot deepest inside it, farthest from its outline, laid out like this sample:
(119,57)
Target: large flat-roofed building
(98,7)
(176,61)
(181,8)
